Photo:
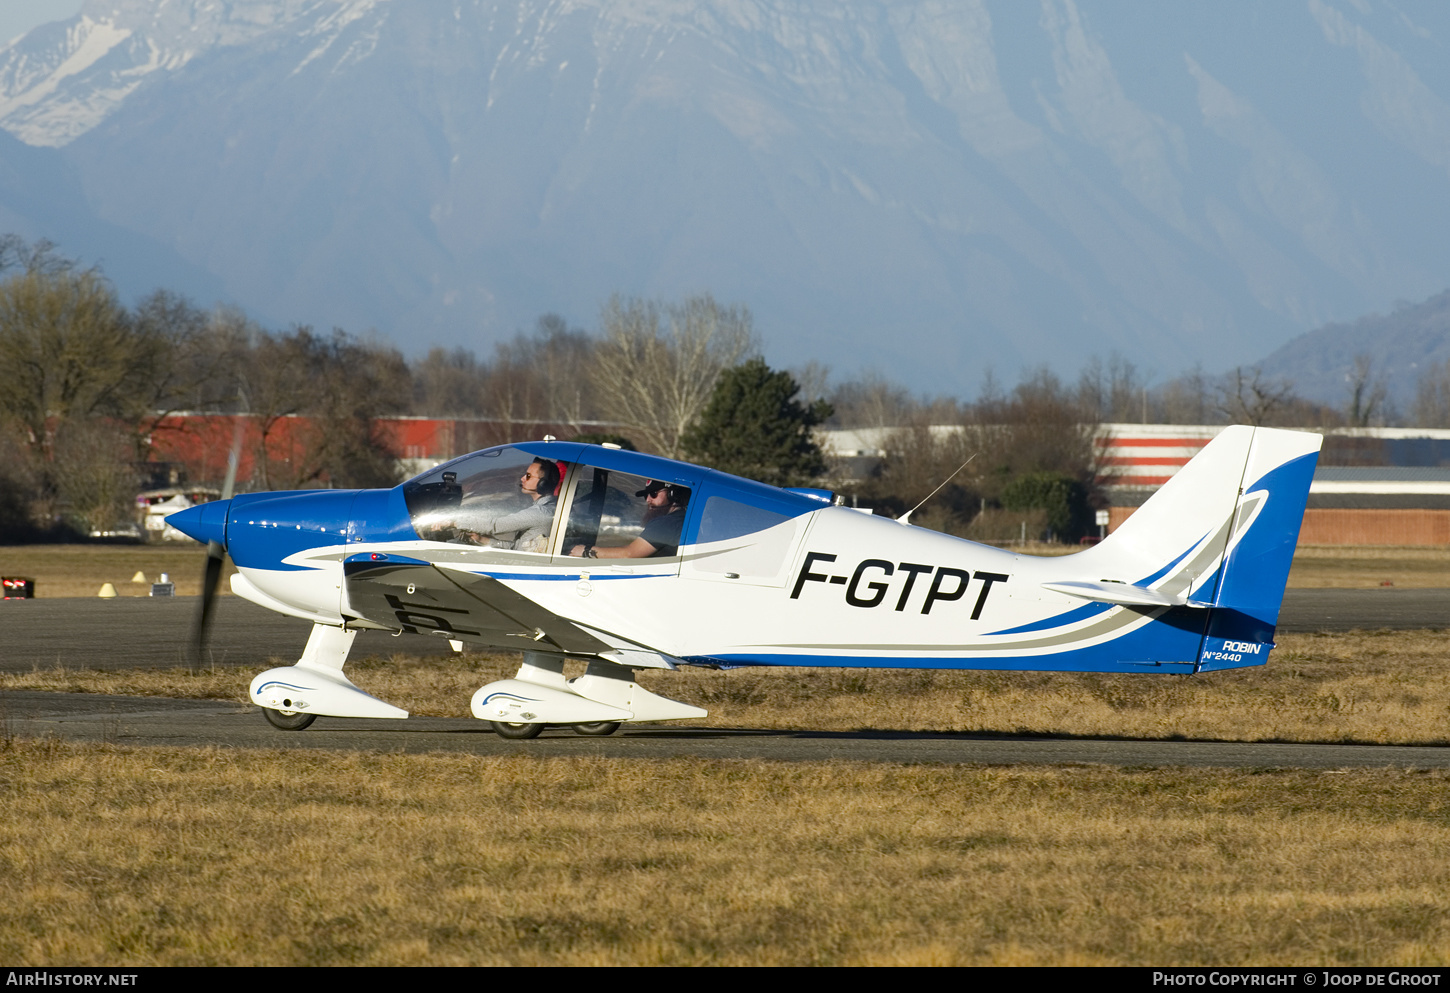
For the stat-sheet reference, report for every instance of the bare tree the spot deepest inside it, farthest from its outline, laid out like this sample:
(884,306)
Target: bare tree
(193,358)
(82,371)
(12,248)
(360,380)
(75,366)
(552,370)
(67,350)
(1185,400)
(18,488)
(39,256)
(1113,392)
(872,401)
(1249,397)
(1367,394)
(95,480)
(814,379)
(920,457)
(1041,429)
(449,383)
(657,364)
(274,385)
(1432,396)
(341,385)
(545,375)
(1041,426)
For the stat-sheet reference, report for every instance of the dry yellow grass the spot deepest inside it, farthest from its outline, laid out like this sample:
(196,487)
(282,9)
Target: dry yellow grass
(129,856)
(1384,687)
(1361,567)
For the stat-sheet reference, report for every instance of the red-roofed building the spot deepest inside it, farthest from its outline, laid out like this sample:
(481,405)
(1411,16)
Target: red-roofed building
(200,443)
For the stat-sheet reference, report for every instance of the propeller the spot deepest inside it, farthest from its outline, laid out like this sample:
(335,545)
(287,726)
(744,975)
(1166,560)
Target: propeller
(215,558)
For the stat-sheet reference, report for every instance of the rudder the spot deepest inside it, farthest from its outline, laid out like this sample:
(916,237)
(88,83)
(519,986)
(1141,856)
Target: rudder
(1269,512)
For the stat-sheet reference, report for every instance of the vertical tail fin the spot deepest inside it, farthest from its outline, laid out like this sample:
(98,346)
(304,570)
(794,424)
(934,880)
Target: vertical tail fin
(1221,535)
(1250,587)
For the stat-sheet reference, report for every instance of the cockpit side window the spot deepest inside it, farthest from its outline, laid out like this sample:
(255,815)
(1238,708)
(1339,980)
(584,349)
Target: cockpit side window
(500,498)
(617,515)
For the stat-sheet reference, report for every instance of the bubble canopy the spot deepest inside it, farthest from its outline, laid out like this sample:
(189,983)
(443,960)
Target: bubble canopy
(585,494)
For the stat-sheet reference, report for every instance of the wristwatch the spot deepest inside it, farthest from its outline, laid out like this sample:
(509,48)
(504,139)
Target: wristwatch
(590,553)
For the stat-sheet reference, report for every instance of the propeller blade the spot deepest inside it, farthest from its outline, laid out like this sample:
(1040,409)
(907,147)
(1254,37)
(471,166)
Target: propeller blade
(215,559)
(210,579)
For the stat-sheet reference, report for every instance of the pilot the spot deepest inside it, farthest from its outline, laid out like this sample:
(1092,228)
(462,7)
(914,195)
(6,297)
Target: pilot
(664,516)
(533,523)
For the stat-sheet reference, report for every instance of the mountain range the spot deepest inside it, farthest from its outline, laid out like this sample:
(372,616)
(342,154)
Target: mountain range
(1397,349)
(928,190)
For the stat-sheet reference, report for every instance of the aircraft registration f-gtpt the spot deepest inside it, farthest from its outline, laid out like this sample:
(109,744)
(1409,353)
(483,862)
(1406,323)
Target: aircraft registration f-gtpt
(628,561)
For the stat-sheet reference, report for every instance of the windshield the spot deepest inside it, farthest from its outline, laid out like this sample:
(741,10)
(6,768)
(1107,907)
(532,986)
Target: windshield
(500,498)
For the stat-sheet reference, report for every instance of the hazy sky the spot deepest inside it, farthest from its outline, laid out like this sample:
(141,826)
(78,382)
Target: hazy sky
(19,16)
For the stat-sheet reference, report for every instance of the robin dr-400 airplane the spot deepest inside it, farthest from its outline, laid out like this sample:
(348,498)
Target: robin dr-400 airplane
(628,561)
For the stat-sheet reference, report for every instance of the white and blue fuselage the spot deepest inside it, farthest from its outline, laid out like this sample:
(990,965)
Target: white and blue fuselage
(762,576)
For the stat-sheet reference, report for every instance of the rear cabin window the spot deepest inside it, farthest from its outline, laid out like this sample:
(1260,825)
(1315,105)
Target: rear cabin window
(725,519)
(621,515)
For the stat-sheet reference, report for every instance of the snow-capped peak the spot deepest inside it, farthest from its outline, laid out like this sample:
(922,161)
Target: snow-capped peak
(63,79)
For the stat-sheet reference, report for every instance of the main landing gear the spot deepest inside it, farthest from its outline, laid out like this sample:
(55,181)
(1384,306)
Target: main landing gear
(594,704)
(539,696)
(517,732)
(522,732)
(599,729)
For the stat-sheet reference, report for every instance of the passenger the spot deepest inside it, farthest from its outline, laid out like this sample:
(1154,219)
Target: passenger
(664,516)
(531,526)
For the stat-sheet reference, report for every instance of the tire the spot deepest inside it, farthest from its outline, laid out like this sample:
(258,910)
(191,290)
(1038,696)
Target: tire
(598,729)
(287,720)
(517,732)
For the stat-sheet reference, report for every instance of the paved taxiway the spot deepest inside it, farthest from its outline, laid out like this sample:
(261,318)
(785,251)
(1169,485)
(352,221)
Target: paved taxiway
(137,631)
(140,632)
(132,721)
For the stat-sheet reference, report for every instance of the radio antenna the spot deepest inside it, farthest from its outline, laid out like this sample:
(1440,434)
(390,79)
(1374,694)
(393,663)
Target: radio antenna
(906,517)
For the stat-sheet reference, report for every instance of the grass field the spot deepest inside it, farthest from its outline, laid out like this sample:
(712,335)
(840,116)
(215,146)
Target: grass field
(1383,687)
(158,856)
(1360,567)
(79,570)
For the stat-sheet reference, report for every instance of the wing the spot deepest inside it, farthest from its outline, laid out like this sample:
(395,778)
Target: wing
(413,595)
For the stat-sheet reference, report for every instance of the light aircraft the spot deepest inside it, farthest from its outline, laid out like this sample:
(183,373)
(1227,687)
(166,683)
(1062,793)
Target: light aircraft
(529,546)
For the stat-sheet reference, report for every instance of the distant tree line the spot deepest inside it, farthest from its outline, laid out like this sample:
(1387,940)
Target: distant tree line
(87,381)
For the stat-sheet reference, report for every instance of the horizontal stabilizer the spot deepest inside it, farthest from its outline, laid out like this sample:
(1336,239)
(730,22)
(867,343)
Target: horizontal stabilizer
(1123,594)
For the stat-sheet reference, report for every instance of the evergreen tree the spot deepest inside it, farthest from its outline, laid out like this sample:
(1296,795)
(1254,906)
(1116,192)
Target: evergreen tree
(1063,497)
(754,426)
